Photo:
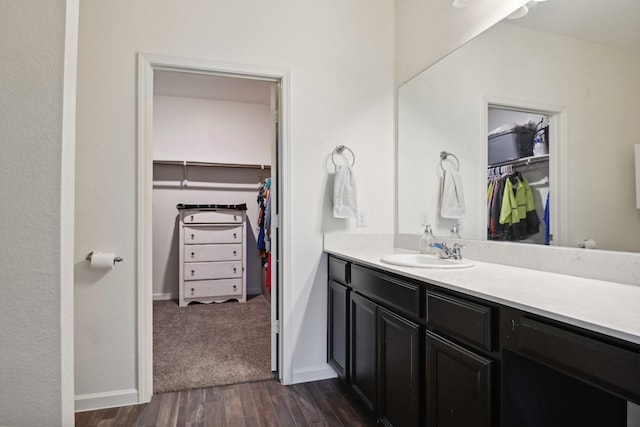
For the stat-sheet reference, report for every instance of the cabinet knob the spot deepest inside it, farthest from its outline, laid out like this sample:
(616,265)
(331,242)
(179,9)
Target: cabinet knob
(193,272)
(193,291)
(191,217)
(235,236)
(192,254)
(192,236)
(235,253)
(235,287)
(235,269)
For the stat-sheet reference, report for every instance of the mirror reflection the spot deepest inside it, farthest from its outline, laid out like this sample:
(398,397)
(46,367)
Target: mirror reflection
(570,68)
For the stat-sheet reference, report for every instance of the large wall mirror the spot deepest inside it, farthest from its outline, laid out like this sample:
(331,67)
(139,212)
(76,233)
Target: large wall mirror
(577,63)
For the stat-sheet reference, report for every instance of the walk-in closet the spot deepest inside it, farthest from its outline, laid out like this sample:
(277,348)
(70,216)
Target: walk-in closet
(518,184)
(213,145)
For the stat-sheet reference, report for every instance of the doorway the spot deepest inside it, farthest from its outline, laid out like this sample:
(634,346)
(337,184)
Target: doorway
(153,69)
(524,146)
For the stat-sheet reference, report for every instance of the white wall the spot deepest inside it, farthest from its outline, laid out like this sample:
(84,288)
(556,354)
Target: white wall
(37,80)
(210,130)
(206,130)
(426,31)
(340,58)
(577,77)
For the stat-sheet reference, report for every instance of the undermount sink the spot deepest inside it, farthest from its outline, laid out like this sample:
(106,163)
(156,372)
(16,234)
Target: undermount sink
(425,261)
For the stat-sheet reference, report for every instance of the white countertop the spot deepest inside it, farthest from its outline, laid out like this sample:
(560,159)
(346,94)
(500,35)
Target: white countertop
(597,305)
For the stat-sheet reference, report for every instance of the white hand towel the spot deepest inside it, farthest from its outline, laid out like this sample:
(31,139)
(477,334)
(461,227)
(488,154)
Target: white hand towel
(452,196)
(344,193)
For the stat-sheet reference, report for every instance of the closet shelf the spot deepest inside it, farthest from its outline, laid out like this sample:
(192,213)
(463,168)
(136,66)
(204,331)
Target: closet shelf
(522,161)
(210,164)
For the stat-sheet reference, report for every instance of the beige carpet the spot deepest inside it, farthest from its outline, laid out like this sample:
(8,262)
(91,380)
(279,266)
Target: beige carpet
(204,345)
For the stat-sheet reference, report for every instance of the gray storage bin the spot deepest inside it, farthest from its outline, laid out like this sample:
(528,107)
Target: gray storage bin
(511,145)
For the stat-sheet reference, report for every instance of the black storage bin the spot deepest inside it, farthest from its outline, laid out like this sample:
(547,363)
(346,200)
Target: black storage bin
(510,145)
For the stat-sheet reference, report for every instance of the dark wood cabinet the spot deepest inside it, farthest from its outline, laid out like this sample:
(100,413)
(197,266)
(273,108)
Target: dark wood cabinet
(370,311)
(385,368)
(338,329)
(363,355)
(399,370)
(419,354)
(458,385)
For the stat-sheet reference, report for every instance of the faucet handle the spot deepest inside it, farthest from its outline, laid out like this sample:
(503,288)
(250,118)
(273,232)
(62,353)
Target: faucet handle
(443,249)
(457,251)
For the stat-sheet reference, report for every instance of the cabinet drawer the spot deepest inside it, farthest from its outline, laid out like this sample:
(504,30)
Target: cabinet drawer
(338,270)
(387,290)
(219,252)
(221,216)
(212,288)
(213,234)
(460,319)
(212,270)
(611,367)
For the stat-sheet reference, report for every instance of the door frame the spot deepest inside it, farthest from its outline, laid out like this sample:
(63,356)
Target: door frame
(147,64)
(557,154)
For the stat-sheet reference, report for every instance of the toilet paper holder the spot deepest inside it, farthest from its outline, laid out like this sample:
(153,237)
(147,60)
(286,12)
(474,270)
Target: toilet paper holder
(116,259)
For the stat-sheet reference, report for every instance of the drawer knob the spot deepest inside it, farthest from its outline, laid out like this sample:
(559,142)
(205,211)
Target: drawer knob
(192,236)
(191,217)
(193,272)
(235,236)
(192,254)
(234,269)
(235,287)
(193,291)
(235,253)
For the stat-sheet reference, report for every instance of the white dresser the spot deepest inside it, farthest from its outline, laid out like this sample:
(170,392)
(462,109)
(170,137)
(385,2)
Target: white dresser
(213,240)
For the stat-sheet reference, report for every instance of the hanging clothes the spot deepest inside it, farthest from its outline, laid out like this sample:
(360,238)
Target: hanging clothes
(495,229)
(511,209)
(547,230)
(264,219)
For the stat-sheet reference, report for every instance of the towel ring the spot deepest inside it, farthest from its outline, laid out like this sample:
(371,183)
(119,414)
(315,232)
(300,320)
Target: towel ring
(444,156)
(340,149)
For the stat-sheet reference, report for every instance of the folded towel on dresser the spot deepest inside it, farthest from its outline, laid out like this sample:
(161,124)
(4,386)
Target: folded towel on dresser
(452,196)
(345,203)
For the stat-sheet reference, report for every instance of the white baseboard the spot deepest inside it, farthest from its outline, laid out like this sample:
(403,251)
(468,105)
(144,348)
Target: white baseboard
(314,373)
(111,399)
(158,297)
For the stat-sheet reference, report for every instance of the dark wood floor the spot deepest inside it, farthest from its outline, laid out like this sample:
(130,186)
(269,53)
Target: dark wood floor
(264,403)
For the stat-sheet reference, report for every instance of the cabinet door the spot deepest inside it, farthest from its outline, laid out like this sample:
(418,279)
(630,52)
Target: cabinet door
(338,328)
(399,374)
(363,376)
(458,385)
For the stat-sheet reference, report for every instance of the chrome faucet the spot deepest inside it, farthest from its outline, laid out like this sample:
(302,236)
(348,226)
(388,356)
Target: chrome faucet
(455,252)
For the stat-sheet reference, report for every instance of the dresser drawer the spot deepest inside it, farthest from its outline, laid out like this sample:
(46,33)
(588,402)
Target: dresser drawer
(212,288)
(216,252)
(459,319)
(213,234)
(212,270)
(221,216)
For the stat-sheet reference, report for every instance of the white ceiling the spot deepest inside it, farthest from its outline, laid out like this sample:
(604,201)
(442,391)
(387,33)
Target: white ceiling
(611,22)
(222,88)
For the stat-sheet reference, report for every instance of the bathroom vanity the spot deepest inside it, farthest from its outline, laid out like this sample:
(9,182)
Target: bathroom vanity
(490,345)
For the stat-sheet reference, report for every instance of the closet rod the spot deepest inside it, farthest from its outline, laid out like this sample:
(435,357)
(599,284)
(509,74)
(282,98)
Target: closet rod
(209,164)
(522,162)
